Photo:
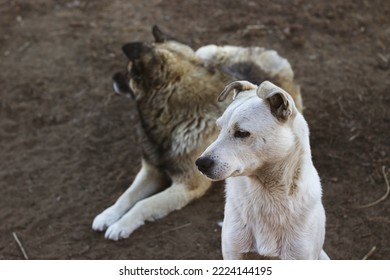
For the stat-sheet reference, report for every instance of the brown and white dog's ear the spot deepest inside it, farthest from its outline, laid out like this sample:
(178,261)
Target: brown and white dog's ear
(134,51)
(281,103)
(236,87)
(159,36)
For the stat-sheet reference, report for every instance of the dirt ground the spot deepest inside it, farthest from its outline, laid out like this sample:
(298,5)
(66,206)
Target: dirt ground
(68,148)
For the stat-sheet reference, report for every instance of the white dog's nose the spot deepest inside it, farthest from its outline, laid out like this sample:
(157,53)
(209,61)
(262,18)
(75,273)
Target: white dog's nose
(204,164)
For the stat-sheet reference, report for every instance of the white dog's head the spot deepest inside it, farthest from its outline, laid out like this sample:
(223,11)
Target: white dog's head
(256,129)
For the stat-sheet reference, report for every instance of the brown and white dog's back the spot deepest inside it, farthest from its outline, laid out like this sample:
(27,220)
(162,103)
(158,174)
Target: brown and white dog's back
(273,192)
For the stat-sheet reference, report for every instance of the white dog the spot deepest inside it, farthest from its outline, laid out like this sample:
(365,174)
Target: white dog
(273,192)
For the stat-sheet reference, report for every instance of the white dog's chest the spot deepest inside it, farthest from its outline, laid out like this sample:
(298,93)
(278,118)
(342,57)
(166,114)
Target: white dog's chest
(255,221)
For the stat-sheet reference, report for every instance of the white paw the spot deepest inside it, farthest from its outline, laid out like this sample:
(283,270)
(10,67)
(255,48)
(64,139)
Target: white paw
(121,230)
(105,219)
(117,231)
(125,226)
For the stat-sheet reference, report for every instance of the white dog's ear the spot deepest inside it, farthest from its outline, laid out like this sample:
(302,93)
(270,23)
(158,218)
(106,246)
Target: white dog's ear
(281,103)
(237,87)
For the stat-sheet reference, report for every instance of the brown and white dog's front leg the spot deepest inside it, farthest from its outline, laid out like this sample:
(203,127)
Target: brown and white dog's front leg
(155,207)
(148,181)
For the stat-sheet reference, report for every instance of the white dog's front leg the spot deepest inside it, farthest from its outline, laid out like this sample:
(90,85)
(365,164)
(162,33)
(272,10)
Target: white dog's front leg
(236,239)
(230,249)
(323,256)
(153,208)
(147,182)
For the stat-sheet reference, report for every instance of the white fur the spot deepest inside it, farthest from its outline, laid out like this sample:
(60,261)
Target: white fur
(273,192)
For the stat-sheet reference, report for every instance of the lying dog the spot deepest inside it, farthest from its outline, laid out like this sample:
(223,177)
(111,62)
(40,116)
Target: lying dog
(174,89)
(273,192)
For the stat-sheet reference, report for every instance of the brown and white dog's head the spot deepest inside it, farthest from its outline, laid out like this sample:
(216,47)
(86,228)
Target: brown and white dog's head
(152,64)
(256,129)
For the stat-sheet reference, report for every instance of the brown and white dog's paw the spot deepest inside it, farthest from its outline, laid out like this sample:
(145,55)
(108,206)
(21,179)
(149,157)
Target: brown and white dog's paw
(105,219)
(123,227)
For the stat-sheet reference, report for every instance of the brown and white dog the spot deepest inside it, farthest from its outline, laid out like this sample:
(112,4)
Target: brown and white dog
(273,204)
(175,91)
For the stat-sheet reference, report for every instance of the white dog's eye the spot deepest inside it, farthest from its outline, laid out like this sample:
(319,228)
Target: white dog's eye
(241,134)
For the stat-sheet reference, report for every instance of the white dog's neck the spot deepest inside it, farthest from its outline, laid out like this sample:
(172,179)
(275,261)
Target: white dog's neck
(282,174)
